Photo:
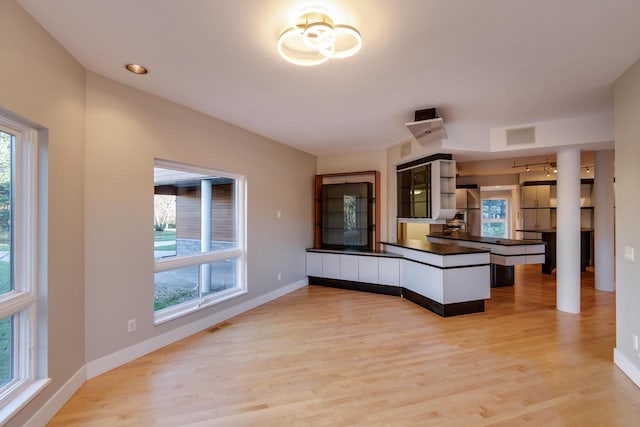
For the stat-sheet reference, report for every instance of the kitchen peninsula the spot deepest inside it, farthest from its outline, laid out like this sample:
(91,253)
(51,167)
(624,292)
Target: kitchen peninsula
(505,253)
(446,279)
(548,236)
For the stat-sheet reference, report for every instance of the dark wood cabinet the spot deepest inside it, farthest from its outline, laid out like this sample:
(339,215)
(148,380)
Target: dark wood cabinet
(347,215)
(347,212)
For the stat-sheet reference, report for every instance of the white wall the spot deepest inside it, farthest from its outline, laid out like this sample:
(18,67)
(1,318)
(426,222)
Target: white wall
(596,129)
(126,130)
(41,82)
(627,157)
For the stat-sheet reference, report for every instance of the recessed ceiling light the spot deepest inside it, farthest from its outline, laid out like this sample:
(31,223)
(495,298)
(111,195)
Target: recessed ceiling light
(136,69)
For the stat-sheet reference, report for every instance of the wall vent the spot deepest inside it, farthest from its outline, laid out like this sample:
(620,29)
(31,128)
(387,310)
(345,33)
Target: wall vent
(521,136)
(405,149)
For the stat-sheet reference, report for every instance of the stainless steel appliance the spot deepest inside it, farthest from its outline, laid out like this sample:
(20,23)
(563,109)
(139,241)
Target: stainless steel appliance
(457,223)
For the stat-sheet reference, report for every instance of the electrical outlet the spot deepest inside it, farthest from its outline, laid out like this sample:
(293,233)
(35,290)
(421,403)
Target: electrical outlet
(279,214)
(131,325)
(629,253)
(635,342)
(279,276)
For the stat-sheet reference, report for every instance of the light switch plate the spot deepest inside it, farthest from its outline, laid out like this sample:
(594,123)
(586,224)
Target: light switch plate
(629,253)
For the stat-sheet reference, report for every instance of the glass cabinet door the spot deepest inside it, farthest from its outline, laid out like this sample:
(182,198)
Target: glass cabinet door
(414,192)
(404,194)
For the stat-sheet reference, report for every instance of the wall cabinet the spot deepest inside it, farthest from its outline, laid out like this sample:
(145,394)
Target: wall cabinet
(540,201)
(536,196)
(427,190)
(536,218)
(468,202)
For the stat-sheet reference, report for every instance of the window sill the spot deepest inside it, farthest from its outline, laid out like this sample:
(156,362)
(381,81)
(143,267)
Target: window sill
(21,400)
(194,306)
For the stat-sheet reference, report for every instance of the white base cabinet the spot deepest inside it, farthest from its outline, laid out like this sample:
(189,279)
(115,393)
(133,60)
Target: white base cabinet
(373,269)
(448,282)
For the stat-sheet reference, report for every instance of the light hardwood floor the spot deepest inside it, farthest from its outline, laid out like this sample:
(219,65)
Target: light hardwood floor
(329,357)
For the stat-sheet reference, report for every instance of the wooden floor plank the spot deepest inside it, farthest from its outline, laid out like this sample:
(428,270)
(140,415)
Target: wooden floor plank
(323,356)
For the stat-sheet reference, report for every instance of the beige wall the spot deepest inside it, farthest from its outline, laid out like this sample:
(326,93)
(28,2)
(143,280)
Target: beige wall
(102,138)
(41,82)
(126,130)
(362,161)
(627,154)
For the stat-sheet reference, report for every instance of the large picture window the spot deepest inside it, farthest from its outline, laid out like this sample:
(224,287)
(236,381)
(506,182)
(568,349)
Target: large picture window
(20,373)
(199,238)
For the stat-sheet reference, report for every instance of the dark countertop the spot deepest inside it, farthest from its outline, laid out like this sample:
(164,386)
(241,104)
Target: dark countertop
(489,240)
(355,252)
(435,248)
(549,230)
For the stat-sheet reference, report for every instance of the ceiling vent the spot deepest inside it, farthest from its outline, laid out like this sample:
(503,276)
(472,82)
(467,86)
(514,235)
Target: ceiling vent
(520,136)
(427,126)
(405,149)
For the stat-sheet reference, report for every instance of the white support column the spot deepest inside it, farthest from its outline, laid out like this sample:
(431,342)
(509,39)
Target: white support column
(604,221)
(568,232)
(205,233)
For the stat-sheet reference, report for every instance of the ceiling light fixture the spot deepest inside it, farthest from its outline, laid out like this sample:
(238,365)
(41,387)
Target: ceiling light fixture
(136,69)
(314,39)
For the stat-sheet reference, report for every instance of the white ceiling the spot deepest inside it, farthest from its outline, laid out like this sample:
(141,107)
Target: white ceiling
(483,63)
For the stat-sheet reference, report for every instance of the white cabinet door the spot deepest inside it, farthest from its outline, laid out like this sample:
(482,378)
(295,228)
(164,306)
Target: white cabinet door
(529,196)
(349,267)
(368,269)
(331,266)
(544,218)
(314,264)
(543,194)
(536,196)
(389,271)
(529,219)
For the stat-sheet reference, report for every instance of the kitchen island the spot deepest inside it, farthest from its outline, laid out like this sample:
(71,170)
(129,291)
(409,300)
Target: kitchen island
(548,236)
(505,253)
(446,279)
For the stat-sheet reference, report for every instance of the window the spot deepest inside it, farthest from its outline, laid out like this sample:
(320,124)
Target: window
(199,238)
(495,215)
(19,254)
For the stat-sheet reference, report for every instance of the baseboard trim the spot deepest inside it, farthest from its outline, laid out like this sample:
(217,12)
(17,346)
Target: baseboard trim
(444,310)
(625,365)
(57,401)
(113,360)
(356,286)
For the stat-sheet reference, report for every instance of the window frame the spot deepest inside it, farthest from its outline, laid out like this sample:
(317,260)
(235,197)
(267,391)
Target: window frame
(28,208)
(506,220)
(181,261)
